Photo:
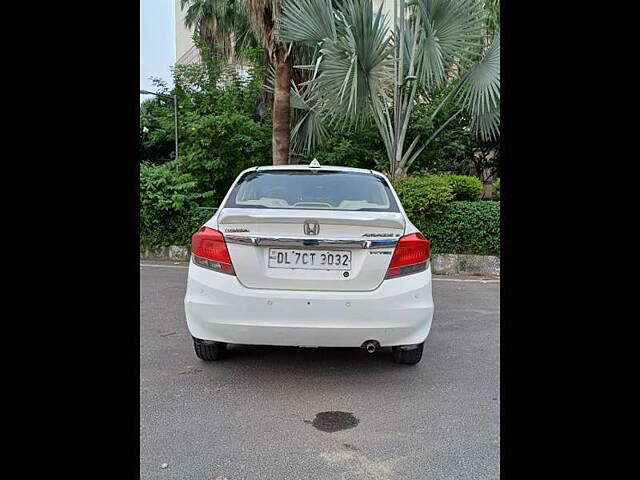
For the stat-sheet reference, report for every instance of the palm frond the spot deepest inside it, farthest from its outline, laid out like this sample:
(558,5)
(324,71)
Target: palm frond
(309,129)
(480,92)
(451,30)
(307,21)
(355,64)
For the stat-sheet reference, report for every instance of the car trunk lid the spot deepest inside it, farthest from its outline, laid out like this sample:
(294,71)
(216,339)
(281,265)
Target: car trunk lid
(272,248)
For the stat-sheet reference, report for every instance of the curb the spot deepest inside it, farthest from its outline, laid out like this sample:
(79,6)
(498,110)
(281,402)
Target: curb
(441,263)
(458,264)
(175,253)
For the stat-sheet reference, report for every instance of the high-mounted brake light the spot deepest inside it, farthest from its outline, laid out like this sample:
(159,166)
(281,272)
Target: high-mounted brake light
(209,250)
(410,256)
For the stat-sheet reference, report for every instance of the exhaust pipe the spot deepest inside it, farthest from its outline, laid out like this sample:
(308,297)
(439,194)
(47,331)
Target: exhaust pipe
(370,346)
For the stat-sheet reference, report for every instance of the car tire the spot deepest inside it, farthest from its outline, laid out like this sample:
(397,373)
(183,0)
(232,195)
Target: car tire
(209,351)
(408,357)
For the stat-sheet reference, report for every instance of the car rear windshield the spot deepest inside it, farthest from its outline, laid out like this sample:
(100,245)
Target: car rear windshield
(313,190)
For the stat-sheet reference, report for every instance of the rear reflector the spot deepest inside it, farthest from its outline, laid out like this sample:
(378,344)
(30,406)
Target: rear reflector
(209,250)
(410,256)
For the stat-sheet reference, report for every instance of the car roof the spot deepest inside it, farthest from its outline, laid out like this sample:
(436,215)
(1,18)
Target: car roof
(332,168)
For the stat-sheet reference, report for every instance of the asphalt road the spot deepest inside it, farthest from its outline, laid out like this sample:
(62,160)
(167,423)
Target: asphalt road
(250,416)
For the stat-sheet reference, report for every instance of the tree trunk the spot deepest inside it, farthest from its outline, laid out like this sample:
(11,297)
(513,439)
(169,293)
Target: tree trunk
(281,111)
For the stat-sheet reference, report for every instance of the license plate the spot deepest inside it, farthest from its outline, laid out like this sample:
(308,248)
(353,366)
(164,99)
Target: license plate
(310,259)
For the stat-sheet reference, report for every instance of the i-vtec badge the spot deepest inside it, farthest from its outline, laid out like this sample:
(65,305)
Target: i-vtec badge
(236,230)
(381,235)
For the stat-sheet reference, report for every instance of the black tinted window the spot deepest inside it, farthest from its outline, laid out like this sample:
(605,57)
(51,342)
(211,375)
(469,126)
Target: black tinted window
(315,190)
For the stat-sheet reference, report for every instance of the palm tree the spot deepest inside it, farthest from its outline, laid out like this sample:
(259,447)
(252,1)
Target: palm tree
(264,16)
(220,24)
(359,62)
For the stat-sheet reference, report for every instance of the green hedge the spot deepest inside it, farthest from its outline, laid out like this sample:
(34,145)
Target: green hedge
(464,187)
(447,210)
(424,195)
(465,227)
(174,229)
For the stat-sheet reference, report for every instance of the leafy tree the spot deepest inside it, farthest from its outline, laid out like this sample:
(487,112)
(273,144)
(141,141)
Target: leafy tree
(199,86)
(359,147)
(220,145)
(157,138)
(221,133)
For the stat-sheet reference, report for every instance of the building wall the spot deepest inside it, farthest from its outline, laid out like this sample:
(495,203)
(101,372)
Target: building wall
(387,9)
(184,42)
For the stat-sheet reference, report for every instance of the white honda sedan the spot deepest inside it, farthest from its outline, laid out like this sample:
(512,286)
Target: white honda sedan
(310,256)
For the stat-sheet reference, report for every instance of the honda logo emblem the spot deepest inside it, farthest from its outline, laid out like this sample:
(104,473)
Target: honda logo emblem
(311,227)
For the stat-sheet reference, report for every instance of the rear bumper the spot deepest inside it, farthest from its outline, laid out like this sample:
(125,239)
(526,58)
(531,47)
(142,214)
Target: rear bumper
(219,308)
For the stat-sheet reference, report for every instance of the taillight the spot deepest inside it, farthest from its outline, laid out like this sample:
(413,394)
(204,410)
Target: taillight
(410,256)
(209,250)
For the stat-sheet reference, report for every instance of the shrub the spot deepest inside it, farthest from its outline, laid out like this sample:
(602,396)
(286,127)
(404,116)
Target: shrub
(465,188)
(169,212)
(174,229)
(423,196)
(495,190)
(465,227)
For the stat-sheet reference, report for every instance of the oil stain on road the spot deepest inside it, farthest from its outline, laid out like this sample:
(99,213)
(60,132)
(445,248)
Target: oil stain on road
(334,421)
